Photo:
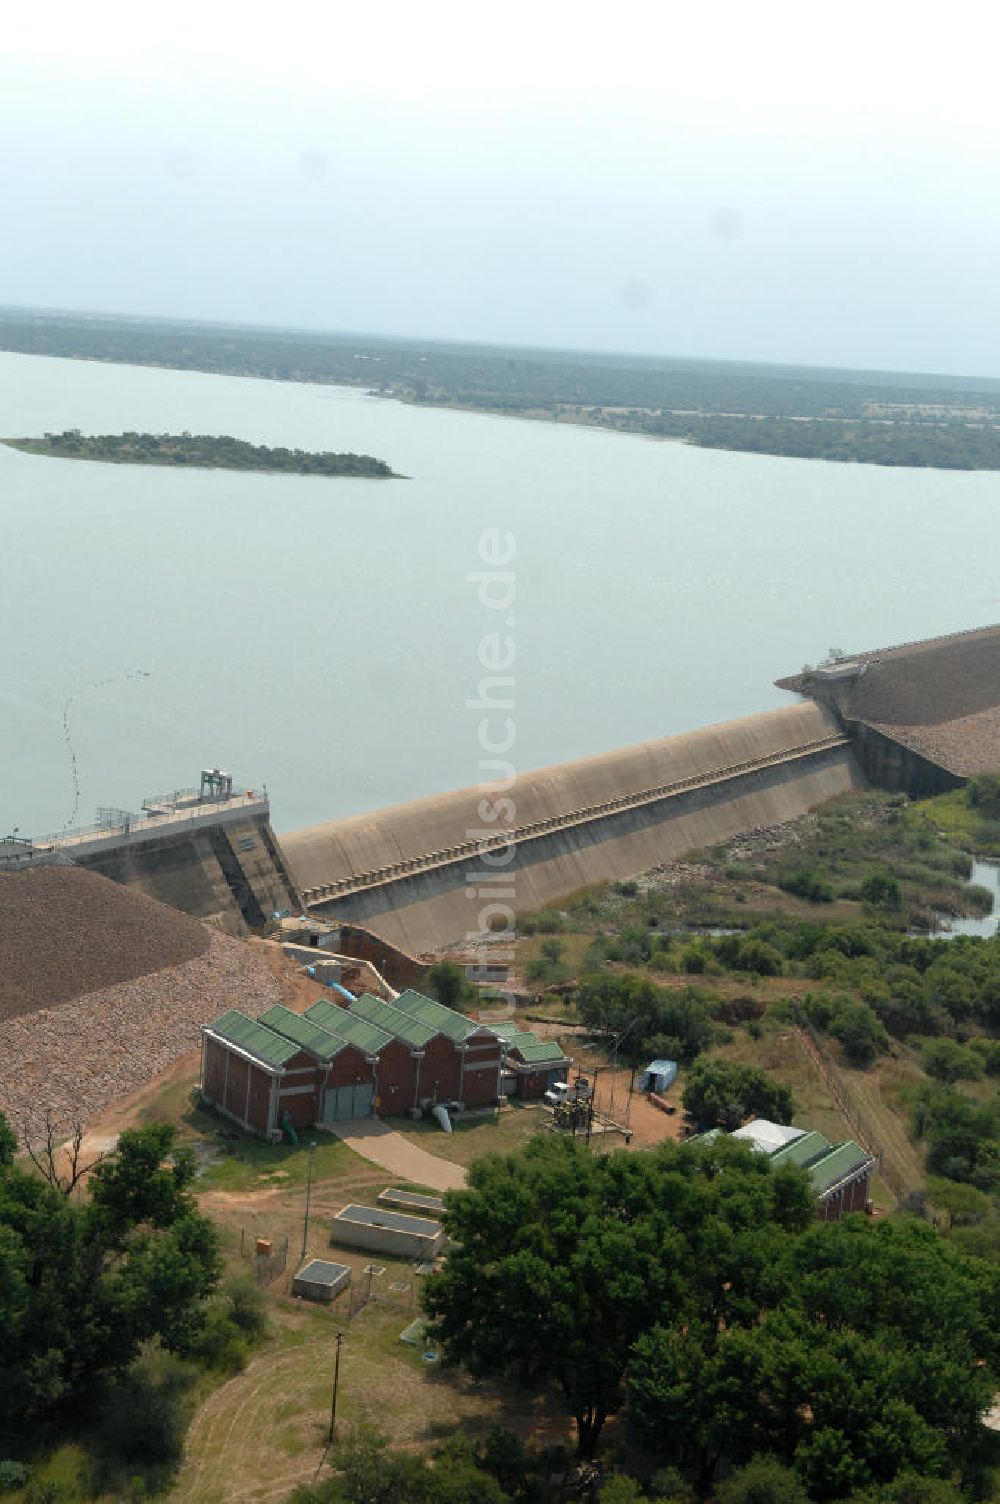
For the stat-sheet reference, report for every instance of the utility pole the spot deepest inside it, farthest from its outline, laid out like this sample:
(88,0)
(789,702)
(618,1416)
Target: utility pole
(333,1402)
(305,1220)
(593,1099)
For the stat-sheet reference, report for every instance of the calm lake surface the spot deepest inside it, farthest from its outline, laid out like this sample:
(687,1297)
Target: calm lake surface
(320,635)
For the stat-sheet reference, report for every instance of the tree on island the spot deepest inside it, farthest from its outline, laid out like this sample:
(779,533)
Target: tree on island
(212,451)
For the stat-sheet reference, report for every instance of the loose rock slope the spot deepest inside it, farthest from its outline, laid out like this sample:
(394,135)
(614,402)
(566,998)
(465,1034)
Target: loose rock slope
(142,980)
(65,931)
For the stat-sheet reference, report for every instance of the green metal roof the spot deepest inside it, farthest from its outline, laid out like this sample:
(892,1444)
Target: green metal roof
(260,1042)
(532,1050)
(348,1027)
(535,1051)
(836,1165)
(412,1031)
(802,1151)
(306,1032)
(436,1016)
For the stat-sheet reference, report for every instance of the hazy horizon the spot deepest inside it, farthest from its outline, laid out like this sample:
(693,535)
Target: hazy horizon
(112,315)
(766,187)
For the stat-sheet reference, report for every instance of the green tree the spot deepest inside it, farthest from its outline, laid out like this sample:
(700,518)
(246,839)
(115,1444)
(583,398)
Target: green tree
(858,1370)
(763,1480)
(448,983)
(722,1093)
(857,1029)
(85,1284)
(946,1060)
(574,1256)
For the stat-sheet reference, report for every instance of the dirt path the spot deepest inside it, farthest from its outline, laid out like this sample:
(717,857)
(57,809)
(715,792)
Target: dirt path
(383,1146)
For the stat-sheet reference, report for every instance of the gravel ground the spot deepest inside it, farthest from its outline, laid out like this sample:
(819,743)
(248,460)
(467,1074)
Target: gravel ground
(78,1058)
(66,932)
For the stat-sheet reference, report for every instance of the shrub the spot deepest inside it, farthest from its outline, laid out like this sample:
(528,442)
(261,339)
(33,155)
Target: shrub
(221,1345)
(142,1416)
(947,1061)
(806,883)
(989,1052)
(983,792)
(882,891)
(449,985)
(758,957)
(764,1480)
(859,1032)
(246,1307)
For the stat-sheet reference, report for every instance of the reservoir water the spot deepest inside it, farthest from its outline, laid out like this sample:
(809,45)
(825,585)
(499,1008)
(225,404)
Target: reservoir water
(322,636)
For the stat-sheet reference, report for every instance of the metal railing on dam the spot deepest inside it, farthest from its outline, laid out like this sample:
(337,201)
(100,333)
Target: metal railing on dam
(119,824)
(538,829)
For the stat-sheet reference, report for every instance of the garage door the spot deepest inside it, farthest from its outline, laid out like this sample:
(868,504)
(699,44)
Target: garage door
(343,1102)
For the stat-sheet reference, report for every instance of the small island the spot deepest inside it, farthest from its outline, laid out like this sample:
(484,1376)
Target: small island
(201,450)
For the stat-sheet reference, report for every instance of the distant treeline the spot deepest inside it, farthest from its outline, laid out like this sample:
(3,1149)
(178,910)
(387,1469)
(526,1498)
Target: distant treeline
(208,451)
(878,418)
(944,446)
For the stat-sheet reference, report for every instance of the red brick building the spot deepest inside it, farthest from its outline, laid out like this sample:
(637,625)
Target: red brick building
(339,1062)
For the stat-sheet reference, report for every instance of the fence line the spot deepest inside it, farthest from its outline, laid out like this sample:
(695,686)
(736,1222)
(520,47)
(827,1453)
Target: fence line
(815,1051)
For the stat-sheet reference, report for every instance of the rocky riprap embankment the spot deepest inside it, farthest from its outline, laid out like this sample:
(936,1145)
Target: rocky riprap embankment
(102,988)
(77,1059)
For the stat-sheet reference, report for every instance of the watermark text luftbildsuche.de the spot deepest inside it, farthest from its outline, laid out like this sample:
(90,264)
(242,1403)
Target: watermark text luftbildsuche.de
(491,884)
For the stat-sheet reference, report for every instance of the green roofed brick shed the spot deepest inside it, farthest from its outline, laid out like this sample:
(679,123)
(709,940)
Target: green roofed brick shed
(840,1173)
(255,1075)
(530,1064)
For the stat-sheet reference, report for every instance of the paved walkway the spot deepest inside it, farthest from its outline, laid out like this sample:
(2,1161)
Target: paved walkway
(384,1146)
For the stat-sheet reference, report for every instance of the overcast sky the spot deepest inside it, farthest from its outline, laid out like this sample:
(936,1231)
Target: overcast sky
(774,182)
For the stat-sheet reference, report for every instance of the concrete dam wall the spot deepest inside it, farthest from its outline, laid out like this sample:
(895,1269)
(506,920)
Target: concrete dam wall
(435,871)
(218,860)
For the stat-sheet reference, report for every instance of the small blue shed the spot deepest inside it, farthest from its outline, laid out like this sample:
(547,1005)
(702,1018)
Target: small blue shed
(658,1076)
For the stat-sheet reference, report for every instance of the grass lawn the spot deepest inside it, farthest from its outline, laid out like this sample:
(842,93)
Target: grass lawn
(475,1136)
(265,1431)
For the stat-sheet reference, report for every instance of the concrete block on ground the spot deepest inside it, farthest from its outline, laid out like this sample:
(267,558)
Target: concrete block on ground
(391,1233)
(321,1280)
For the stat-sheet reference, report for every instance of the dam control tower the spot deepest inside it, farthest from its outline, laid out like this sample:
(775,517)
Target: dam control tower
(208,850)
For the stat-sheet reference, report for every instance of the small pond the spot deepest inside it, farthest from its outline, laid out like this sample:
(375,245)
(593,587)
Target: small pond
(984,875)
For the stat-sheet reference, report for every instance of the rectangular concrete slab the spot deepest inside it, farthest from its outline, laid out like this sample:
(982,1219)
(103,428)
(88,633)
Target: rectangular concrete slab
(391,1233)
